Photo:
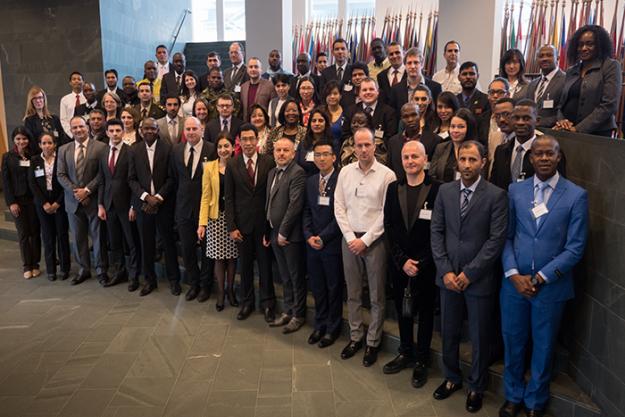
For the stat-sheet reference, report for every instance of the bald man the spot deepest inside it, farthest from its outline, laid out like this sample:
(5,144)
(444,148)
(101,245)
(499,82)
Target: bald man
(407,213)
(186,174)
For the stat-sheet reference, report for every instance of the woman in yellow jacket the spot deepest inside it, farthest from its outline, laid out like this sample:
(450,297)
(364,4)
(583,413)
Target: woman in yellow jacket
(212,222)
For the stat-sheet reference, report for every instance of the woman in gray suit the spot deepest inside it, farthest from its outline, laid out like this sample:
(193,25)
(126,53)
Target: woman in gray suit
(592,88)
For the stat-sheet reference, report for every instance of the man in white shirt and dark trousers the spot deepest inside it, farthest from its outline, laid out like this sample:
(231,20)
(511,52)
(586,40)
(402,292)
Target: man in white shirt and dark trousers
(70,101)
(359,211)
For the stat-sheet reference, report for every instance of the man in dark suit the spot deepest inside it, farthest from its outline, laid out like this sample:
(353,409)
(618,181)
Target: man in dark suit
(468,232)
(411,120)
(147,107)
(88,90)
(349,96)
(172,81)
(255,90)
(226,120)
(285,202)
(237,73)
(131,94)
(512,159)
(323,238)
(213,60)
(171,126)
(246,196)
(402,92)
(114,205)
(547,232)
(391,76)
(547,89)
(79,174)
(471,97)
(111,77)
(186,168)
(340,70)
(407,215)
(154,201)
(302,63)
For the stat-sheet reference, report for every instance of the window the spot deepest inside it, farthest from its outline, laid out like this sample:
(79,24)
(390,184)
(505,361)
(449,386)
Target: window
(323,8)
(359,7)
(204,20)
(234,20)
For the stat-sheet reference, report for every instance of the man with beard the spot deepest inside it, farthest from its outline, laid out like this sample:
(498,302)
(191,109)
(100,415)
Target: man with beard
(111,77)
(150,76)
(215,89)
(275,65)
(471,97)
(85,108)
(302,63)
(213,60)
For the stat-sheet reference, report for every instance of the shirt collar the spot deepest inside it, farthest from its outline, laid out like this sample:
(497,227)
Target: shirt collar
(527,145)
(85,143)
(117,147)
(153,147)
(552,74)
(197,147)
(473,186)
(44,158)
(553,181)
(373,106)
(373,167)
(254,158)
(326,177)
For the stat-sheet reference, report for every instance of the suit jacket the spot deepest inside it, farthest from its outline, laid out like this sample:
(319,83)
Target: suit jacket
(140,176)
(385,86)
(552,248)
(232,78)
(547,117)
(443,163)
(383,117)
(501,174)
(188,190)
(599,96)
(318,220)
(115,190)
(264,93)
(410,240)
(92,176)
(169,86)
(38,185)
(154,111)
(245,203)
(285,201)
(471,244)
(34,126)
(163,129)
(478,103)
(213,128)
(329,73)
(396,143)
(399,93)
(84,109)
(120,93)
(14,178)
(273,103)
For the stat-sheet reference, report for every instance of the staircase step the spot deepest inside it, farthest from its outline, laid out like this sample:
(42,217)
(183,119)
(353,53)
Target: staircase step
(195,53)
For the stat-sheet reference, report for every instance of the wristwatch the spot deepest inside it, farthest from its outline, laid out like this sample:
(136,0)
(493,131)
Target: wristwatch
(535,281)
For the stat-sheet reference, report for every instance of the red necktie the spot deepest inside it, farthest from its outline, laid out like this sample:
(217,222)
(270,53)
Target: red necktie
(250,170)
(395,80)
(77,101)
(112,161)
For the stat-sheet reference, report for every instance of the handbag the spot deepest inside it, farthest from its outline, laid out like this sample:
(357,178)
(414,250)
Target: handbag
(406,304)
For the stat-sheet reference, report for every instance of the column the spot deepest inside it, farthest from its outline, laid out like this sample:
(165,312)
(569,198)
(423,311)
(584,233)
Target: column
(268,25)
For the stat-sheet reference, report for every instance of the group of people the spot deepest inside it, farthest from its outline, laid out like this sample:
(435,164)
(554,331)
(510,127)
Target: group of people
(357,177)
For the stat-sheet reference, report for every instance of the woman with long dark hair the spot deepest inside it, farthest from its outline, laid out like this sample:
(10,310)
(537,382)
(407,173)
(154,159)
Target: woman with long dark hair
(445,160)
(512,68)
(318,130)
(446,106)
(189,92)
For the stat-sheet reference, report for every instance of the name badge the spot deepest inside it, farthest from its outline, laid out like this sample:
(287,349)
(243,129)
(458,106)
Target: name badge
(427,166)
(348,87)
(457,175)
(548,104)
(361,191)
(237,88)
(55,133)
(310,156)
(539,211)
(521,177)
(39,172)
(324,201)
(379,133)
(25,163)
(425,214)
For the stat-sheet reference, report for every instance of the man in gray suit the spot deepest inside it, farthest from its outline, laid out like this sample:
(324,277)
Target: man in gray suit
(468,231)
(237,73)
(171,126)
(546,89)
(79,173)
(285,202)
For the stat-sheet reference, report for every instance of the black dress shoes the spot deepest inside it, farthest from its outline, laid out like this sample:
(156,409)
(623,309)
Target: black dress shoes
(534,413)
(351,349)
(204,295)
(474,402)
(446,389)
(270,315)
(219,307)
(175,288)
(103,279)
(194,290)
(419,375)
(51,277)
(133,285)
(315,337)
(117,279)
(509,409)
(245,312)
(400,362)
(327,340)
(147,288)
(371,355)
(64,275)
(79,279)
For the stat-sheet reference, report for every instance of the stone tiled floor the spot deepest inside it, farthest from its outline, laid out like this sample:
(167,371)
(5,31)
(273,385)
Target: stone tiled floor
(87,351)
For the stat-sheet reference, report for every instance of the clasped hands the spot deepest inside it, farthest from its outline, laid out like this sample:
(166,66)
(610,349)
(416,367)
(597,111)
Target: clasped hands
(457,283)
(523,284)
(565,124)
(82,195)
(151,204)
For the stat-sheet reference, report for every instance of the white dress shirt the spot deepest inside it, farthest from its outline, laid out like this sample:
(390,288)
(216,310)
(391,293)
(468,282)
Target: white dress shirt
(400,73)
(473,187)
(359,201)
(449,80)
(162,69)
(150,150)
(66,110)
(526,147)
(254,159)
(197,152)
(547,79)
(48,168)
(118,149)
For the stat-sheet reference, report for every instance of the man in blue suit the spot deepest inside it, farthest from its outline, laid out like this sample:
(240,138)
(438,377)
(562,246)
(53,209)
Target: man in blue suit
(323,244)
(548,217)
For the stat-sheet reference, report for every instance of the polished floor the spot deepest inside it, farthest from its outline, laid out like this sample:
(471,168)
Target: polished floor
(86,351)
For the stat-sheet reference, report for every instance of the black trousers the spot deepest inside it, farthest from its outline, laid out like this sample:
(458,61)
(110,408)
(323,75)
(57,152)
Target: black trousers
(120,237)
(55,234)
(250,249)
(163,221)
(423,292)
(325,274)
(27,226)
(201,275)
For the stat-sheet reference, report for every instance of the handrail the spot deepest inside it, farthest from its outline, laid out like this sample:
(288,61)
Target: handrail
(184,15)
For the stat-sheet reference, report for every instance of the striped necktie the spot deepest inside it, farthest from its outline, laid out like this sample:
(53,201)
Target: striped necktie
(464,207)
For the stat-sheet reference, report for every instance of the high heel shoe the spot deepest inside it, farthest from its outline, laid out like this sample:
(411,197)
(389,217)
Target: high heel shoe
(232,299)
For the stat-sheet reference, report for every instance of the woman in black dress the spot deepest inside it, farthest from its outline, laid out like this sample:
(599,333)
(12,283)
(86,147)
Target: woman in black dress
(38,119)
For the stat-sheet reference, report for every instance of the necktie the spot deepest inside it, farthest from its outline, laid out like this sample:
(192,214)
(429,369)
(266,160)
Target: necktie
(77,103)
(369,110)
(112,160)
(190,162)
(339,74)
(465,202)
(144,113)
(322,187)
(172,130)
(395,79)
(80,162)
(540,197)
(541,88)
(178,80)
(515,170)
(225,125)
(250,171)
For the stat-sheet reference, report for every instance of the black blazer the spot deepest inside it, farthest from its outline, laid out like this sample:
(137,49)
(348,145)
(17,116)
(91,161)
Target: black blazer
(383,117)
(329,73)
(154,112)
(38,186)
(547,117)
(140,177)
(120,93)
(33,124)
(85,108)
(319,220)
(384,86)
(213,128)
(14,178)
(245,204)
(115,189)
(399,93)
(478,103)
(410,241)
(170,86)
(189,190)
(396,143)
(501,174)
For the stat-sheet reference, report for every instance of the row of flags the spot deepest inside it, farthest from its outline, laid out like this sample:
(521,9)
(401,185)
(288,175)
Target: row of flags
(548,23)
(409,28)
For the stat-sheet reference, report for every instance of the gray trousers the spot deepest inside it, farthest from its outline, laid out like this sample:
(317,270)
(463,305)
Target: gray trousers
(82,223)
(293,282)
(370,267)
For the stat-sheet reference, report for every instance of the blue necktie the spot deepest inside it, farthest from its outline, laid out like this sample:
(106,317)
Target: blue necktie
(540,197)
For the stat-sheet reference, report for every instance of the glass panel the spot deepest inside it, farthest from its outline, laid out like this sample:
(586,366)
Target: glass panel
(324,8)
(359,7)
(234,20)
(204,19)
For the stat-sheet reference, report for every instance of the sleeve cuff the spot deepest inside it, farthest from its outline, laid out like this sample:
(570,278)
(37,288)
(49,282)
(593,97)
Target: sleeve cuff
(545,277)
(143,196)
(511,272)
(349,236)
(366,239)
(159,197)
